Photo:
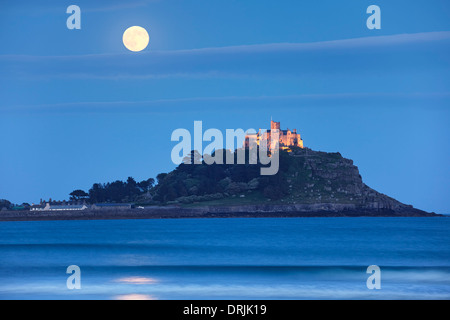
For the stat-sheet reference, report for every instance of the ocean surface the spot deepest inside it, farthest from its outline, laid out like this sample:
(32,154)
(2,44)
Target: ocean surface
(287,258)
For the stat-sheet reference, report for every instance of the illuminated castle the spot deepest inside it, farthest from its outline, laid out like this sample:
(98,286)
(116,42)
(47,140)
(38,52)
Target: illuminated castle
(287,138)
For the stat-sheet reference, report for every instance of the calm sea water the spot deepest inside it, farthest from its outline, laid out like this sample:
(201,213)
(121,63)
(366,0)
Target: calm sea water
(291,258)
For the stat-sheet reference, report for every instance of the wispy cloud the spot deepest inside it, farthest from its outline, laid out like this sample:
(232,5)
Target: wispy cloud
(286,59)
(116,5)
(48,6)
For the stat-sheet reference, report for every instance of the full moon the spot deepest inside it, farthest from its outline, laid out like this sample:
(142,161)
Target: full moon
(135,38)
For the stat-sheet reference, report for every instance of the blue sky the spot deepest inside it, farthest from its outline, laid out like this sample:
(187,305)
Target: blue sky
(78,108)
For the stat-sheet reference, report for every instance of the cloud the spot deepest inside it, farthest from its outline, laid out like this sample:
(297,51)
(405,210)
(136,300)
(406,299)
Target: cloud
(48,6)
(402,52)
(117,5)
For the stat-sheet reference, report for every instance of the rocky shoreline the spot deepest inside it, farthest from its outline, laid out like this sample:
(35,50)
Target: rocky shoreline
(243,211)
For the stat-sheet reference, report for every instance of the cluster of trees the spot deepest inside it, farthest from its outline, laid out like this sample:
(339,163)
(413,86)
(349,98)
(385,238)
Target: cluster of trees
(189,180)
(114,192)
(117,191)
(203,179)
(5,204)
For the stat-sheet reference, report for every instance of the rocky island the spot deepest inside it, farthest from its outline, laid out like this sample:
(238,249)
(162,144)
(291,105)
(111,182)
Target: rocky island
(309,184)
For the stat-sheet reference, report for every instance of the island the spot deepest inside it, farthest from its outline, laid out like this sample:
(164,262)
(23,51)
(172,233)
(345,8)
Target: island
(309,184)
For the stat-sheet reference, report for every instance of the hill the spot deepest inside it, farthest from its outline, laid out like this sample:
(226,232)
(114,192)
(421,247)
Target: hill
(308,184)
(308,181)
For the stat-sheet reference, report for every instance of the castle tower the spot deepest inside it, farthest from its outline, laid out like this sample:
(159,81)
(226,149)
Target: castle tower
(274,125)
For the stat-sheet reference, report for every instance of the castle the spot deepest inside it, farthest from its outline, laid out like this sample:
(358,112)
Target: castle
(287,138)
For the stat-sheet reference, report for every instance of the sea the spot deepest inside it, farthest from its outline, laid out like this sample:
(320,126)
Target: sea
(230,258)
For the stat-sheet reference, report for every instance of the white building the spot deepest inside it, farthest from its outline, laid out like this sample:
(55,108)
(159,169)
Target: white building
(57,207)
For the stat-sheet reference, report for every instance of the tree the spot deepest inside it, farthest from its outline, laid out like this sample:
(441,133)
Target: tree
(132,189)
(5,204)
(78,195)
(97,193)
(160,177)
(146,185)
(131,182)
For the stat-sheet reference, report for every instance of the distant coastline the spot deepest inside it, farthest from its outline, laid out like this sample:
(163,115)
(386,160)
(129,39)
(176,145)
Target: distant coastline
(247,211)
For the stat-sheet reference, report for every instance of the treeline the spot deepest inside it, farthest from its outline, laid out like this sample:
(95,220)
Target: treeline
(8,205)
(115,192)
(190,182)
(5,204)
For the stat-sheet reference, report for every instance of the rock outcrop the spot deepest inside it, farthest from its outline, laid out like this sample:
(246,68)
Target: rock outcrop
(328,178)
(309,183)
